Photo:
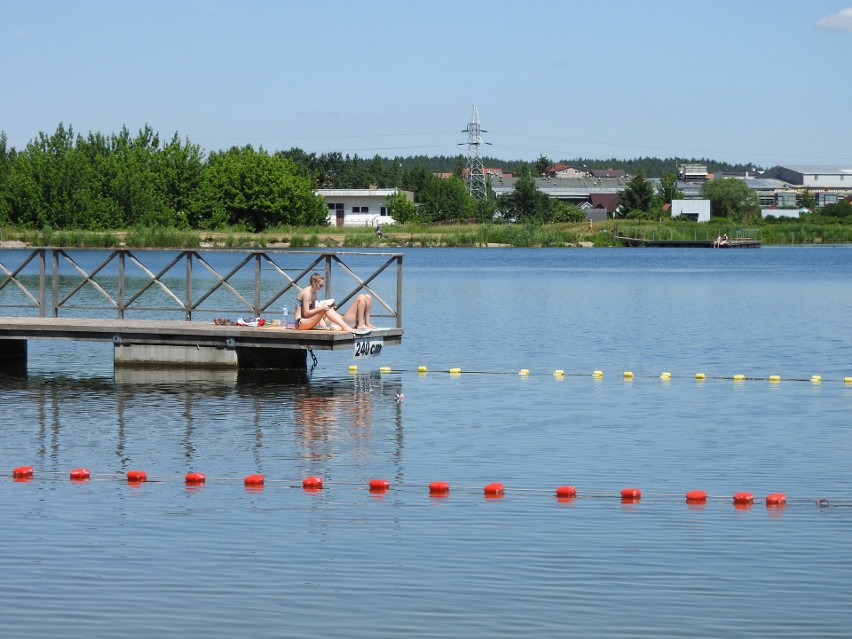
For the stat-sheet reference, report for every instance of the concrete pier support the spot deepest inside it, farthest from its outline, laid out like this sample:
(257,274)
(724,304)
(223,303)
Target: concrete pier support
(166,356)
(13,357)
(161,355)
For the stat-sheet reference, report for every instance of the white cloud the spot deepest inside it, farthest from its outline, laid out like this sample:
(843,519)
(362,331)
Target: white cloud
(840,21)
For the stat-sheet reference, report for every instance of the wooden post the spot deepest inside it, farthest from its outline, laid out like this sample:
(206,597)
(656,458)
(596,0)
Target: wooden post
(54,312)
(188,301)
(121,285)
(399,292)
(42,283)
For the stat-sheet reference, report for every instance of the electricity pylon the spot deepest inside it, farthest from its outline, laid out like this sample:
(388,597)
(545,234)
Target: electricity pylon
(476,183)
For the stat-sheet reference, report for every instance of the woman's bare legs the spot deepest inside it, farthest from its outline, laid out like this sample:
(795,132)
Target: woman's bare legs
(358,314)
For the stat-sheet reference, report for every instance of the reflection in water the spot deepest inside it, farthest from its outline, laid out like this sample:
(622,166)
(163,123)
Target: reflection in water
(326,418)
(175,376)
(341,412)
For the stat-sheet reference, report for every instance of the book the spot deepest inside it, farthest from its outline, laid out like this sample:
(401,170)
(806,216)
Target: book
(328,303)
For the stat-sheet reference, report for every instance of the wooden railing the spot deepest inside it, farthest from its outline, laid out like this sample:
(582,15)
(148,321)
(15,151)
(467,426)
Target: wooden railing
(92,282)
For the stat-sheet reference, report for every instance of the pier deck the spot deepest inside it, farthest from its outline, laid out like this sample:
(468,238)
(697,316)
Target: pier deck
(181,333)
(153,343)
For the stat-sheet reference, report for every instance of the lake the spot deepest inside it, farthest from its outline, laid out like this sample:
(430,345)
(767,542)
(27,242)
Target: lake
(104,558)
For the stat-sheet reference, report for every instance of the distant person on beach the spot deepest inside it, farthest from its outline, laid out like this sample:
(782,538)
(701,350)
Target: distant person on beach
(591,226)
(379,232)
(717,242)
(309,314)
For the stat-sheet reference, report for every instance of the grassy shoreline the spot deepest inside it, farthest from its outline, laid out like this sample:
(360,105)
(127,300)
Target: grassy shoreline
(425,236)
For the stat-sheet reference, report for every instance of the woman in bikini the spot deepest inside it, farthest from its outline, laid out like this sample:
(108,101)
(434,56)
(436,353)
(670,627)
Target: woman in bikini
(309,314)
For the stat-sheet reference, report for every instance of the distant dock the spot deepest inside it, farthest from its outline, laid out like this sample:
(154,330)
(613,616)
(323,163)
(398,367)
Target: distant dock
(740,242)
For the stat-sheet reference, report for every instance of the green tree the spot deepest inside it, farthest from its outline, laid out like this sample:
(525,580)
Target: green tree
(485,209)
(134,180)
(565,212)
(51,184)
(181,167)
(526,203)
(459,167)
(842,210)
(541,165)
(400,209)
(637,197)
(808,200)
(249,188)
(444,199)
(6,158)
(731,198)
(668,189)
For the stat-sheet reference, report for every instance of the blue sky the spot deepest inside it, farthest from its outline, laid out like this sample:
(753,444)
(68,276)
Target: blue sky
(762,81)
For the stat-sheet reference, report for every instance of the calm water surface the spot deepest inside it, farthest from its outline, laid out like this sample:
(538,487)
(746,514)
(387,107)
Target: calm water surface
(105,559)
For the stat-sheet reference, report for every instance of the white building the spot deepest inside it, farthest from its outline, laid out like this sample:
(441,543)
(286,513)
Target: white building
(692,172)
(696,210)
(360,207)
(816,177)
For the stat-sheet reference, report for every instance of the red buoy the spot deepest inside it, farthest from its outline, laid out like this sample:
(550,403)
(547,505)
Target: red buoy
(254,480)
(743,498)
(379,485)
(439,488)
(492,490)
(136,476)
(776,499)
(566,492)
(195,479)
(696,497)
(80,474)
(312,483)
(631,494)
(22,472)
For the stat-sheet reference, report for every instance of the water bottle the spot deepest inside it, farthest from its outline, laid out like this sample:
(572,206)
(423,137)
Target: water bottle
(285,317)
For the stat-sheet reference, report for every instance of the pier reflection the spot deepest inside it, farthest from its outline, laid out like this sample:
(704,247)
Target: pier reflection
(201,416)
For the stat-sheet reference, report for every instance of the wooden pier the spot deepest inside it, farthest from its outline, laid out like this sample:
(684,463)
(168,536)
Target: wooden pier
(193,344)
(38,285)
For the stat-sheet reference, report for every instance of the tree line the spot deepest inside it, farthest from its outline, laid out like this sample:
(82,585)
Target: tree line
(65,180)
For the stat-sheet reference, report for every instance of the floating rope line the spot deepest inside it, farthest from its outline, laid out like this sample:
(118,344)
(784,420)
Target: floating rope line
(598,374)
(563,493)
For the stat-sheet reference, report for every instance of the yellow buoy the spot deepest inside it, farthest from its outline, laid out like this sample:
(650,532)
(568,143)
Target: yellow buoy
(422,369)
(700,376)
(385,369)
(847,380)
(739,378)
(665,375)
(774,378)
(816,379)
(559,373)
(597,374)
(455,371)
(628,375)
(524,372)
(353,368)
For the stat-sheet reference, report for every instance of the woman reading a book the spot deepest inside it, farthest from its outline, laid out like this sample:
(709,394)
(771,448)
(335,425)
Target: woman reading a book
(310,313)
